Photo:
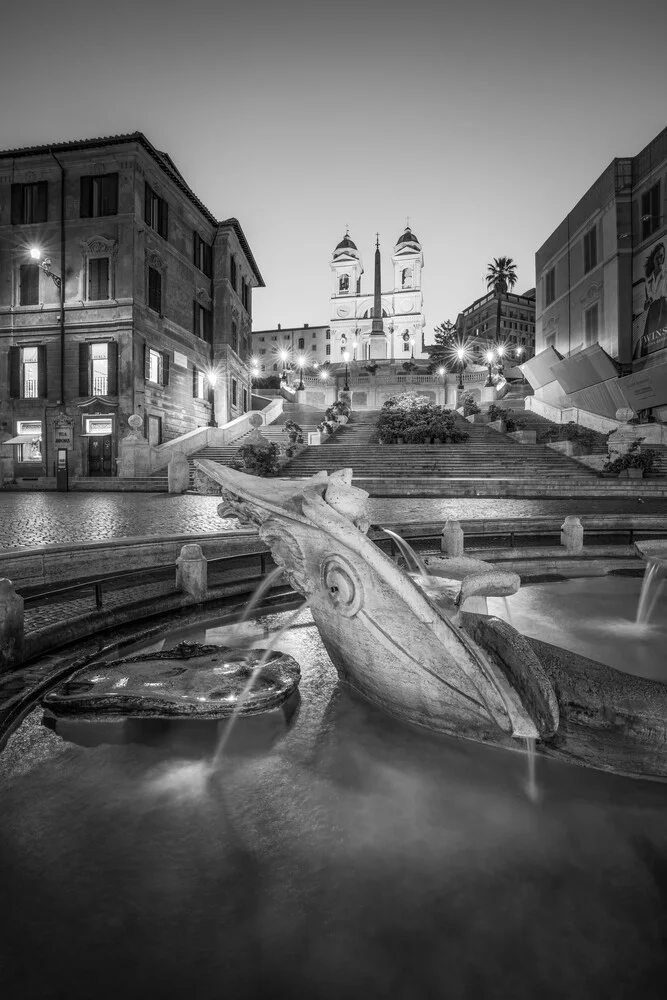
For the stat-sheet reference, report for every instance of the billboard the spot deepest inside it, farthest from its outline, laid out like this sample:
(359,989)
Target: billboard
(649,301)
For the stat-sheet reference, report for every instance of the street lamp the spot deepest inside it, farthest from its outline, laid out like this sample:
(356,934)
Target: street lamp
(284,355)
(501,351)
(45,264)
(301,362)
(461,353)
(212,378)
(346,358)
(490,356)
(412,348)
(519,355)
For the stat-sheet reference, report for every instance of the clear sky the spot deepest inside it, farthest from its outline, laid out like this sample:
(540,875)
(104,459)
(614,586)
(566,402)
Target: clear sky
(483,122)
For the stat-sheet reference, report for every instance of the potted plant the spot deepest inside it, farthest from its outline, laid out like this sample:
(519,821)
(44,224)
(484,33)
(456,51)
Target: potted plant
(470,407)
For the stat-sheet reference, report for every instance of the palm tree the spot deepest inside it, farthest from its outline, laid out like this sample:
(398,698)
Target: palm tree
(500,279)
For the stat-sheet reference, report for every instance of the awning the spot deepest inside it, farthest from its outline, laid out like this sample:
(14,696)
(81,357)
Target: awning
(23,439)
(95,434)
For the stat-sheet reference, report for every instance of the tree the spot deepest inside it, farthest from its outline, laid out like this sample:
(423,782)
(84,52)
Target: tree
(500,279)
(445,346)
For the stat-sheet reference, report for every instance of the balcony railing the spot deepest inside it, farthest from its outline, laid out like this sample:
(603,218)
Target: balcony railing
(100,385)
(30,388)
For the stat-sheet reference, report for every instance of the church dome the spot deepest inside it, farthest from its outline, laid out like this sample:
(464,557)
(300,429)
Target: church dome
(407,237)
(346,244)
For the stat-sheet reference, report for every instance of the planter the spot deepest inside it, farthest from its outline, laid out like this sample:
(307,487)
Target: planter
(498,425)
(635,473)
(609,475)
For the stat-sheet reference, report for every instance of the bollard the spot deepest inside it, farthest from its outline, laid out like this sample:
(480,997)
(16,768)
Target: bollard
(12,632)
(192,571)
(451,542)
(178,472)
(572,534)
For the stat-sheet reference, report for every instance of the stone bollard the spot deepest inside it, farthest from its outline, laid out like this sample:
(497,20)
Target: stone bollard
(451,542)
(178,472)
(12,633)
(572,534)
(192,571)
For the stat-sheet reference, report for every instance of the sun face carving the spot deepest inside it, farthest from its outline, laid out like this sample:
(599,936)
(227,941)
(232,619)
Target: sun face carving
(343,585)
(288,554)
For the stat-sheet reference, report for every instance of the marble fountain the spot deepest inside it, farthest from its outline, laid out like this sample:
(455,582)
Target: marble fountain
(381,841)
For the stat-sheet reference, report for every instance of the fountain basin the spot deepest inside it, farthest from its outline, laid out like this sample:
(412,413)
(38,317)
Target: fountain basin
(189,680)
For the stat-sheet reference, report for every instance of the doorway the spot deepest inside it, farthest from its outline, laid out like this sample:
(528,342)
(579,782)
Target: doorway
(154,430)
(99,455)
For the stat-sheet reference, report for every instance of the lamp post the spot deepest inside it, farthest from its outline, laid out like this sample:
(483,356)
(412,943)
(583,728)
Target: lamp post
(490,356)
(412,348)
(284,355)
(301,362)
(519,355)
(461,355)
(346,358)
(212,378)
(501,351)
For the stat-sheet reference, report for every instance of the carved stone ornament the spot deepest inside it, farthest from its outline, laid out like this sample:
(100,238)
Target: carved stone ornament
(154,259)
(99,246)
(203,297)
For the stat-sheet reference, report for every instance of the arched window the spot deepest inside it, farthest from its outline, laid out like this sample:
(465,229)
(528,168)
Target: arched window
(302,343)
(406,277)
(344,283)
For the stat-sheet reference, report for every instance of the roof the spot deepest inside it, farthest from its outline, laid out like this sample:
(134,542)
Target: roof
(407,237)
(163,160)
(346,243)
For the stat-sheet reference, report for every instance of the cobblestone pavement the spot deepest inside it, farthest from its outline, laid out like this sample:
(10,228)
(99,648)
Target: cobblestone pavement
(36,519)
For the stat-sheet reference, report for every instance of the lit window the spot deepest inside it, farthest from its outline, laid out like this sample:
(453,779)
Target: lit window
(31,449)
(29,372)
(155,367)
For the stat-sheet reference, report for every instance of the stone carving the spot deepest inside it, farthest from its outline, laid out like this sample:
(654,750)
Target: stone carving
(204,681)
(153,259)
(98,246)
(423,657)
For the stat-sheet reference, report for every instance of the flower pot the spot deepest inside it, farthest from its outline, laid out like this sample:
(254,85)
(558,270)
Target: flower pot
(635,473)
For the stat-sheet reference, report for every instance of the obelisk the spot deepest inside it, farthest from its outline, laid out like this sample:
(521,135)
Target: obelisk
(378,342)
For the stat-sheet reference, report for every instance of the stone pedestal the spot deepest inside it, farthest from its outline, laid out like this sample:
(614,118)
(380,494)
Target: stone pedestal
(489,394)
(451,542)
(134,452)
(192,571)
(178,472)
(572,535)
(12,634)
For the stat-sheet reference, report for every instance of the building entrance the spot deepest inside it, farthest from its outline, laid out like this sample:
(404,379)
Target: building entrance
(99,456)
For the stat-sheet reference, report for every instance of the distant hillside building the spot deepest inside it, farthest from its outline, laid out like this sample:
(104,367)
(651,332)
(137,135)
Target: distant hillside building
(602,276)
(476,325)
(157,294)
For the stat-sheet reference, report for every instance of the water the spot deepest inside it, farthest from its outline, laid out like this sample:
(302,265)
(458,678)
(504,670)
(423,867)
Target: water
(409,554)
(652,587)
(594,617)
(532,790)
(270,646)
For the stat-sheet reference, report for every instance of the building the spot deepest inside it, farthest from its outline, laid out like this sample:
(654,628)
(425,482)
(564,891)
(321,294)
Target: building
(477,325)
(271,349)
(153,309)
(377,325)
(602,288)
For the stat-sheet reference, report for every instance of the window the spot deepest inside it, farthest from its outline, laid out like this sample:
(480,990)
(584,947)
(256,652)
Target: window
(314,333)
(154,290)
(232,272)
(202,322)
(245,400)
(156,212)
(156,366)
(235,392)
(313,347)
(272,338)
(98,369)
(328,334)
(31,448)
(344,283)
(302,343)
(98,279)
(650,211)
(199,388)
(235,337)
(406,345)
(203,255)
(27,372)
(285,336)
(406,277)
(591,325)
(99,196)
(550,286)
(590,249)
(245,294)
(328,350)
(29,203)
(29,285)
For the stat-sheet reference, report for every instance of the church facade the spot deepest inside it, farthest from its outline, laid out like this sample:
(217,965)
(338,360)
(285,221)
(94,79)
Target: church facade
(377,325)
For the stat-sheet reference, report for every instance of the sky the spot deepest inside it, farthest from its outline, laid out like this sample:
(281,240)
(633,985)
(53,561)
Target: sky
(482,122)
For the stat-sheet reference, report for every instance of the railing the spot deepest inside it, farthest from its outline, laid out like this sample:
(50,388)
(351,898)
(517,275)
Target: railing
(100,385)
(30,388)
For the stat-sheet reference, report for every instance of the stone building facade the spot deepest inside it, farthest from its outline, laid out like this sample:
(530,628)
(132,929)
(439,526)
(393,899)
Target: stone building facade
(476,325)
(272,348)
(157,304)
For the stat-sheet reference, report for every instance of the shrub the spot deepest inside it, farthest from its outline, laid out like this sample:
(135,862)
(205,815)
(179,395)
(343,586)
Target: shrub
(257,461)
(634,458)
(295,437)
(584,436)
(511,422)
(470,407)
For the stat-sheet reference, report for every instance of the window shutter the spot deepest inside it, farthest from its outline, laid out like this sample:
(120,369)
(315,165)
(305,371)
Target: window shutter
(195,383)
(208,326)
(110,195)
(163,218)
(195,329)
(41,210)
(196,244)
(17,204)
(147,363)
(84,383)
(165,369)
(41,371)
(86,198)
(15,372)
(147,202)
(112,356)
(208,260)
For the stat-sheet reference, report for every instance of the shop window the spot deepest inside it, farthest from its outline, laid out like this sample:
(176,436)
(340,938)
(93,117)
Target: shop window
(30,449)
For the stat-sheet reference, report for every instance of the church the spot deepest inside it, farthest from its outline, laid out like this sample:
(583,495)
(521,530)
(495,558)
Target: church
(378,326)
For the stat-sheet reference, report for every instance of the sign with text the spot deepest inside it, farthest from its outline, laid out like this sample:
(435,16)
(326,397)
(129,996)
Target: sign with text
(649,301)
(645,389)
(63,436)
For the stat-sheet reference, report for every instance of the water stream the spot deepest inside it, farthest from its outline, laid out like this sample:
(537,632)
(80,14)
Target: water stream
(652,586)
(409,554)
